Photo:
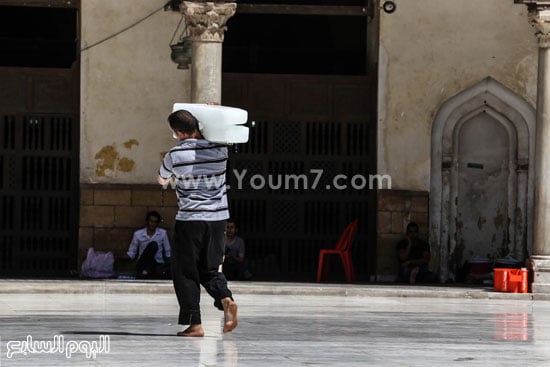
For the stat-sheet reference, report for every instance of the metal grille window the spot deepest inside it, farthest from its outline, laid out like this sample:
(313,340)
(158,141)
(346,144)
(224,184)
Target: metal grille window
(38,166)
(313,125)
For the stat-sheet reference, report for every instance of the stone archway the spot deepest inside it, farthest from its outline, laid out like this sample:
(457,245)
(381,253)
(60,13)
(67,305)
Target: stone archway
(486,105)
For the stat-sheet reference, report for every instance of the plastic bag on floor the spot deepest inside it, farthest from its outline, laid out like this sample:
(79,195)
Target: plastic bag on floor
(98,264)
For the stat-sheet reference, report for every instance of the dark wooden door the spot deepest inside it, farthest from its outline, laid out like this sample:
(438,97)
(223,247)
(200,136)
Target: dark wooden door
(306,131)
(39,171)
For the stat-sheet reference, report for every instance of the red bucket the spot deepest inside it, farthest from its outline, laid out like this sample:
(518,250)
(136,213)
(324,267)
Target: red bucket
(511,280)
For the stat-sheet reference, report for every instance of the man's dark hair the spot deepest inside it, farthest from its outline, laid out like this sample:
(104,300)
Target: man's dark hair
(233,220)
(153,213)
(183,121)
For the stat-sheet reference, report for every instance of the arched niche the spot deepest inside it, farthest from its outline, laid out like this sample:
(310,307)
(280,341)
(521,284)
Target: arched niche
(486,104)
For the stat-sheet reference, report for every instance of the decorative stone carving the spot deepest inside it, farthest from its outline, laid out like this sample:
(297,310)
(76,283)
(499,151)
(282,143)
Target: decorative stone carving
(539,17)
(206,20)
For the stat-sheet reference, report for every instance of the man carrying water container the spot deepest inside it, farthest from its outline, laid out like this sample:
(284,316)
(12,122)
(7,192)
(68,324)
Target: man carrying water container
(198,166)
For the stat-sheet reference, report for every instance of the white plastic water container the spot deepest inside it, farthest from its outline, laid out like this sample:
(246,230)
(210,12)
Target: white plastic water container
(219,124)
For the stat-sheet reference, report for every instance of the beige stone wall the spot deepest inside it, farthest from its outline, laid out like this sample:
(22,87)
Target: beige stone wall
(431,50)
(109,214)
(396,208)
(128,86)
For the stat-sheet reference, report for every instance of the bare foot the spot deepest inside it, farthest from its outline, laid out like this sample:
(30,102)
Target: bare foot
(192,330)
(229,314)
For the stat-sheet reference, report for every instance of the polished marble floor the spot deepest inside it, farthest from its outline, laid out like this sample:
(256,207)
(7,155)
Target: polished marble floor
(274,330)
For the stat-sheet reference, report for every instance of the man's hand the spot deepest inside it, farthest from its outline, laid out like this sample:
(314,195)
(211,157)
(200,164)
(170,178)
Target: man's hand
(163,181)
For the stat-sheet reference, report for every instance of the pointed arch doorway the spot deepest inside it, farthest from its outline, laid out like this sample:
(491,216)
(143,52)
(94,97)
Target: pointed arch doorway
(481,187)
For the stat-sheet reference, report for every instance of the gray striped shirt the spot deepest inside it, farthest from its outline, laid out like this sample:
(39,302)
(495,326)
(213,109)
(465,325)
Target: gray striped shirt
(199,167)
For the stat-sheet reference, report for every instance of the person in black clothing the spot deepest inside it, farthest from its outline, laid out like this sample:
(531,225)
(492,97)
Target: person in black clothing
(199,167)
(414,258)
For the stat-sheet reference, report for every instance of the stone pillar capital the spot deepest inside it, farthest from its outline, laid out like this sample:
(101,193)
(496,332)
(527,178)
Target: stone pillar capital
(539,17)
(206,20)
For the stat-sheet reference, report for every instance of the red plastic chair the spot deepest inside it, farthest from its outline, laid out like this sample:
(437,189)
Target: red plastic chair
(343,249)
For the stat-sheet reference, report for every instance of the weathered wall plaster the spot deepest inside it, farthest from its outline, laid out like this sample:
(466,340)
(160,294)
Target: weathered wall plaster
(430,50)
(128,86)
(109,162)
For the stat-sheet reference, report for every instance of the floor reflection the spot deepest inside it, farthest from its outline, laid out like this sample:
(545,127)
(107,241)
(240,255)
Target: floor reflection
(214,351)
(512,326)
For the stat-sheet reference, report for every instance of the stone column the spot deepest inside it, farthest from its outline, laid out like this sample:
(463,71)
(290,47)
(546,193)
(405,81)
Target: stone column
(539,17)
(206,24)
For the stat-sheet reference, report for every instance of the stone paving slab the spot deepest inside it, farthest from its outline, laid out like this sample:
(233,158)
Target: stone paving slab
(277,330)
(109,286)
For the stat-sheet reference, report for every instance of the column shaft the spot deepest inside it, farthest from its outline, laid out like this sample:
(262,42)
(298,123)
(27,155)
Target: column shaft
(206,23)
(542,167)
(539,262)
(206,72)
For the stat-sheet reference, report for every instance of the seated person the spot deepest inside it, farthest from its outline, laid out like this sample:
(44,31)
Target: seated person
(234,264)
(149,247)
(414,257)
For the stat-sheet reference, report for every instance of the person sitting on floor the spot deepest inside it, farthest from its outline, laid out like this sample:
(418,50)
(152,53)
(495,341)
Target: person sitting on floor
(234,264)
(414,258)
(150,247)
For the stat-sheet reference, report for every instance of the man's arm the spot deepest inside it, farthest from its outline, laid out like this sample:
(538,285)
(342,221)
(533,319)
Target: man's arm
(133,248)
(166,243)
(239,243)
(425,258)
(165,172)
(163,181)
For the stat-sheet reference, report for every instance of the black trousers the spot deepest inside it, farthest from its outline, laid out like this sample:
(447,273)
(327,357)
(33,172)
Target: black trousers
(197,253)
(147,260)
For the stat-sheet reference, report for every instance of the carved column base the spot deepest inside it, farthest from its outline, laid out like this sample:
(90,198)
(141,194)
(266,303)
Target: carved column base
(540,265)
